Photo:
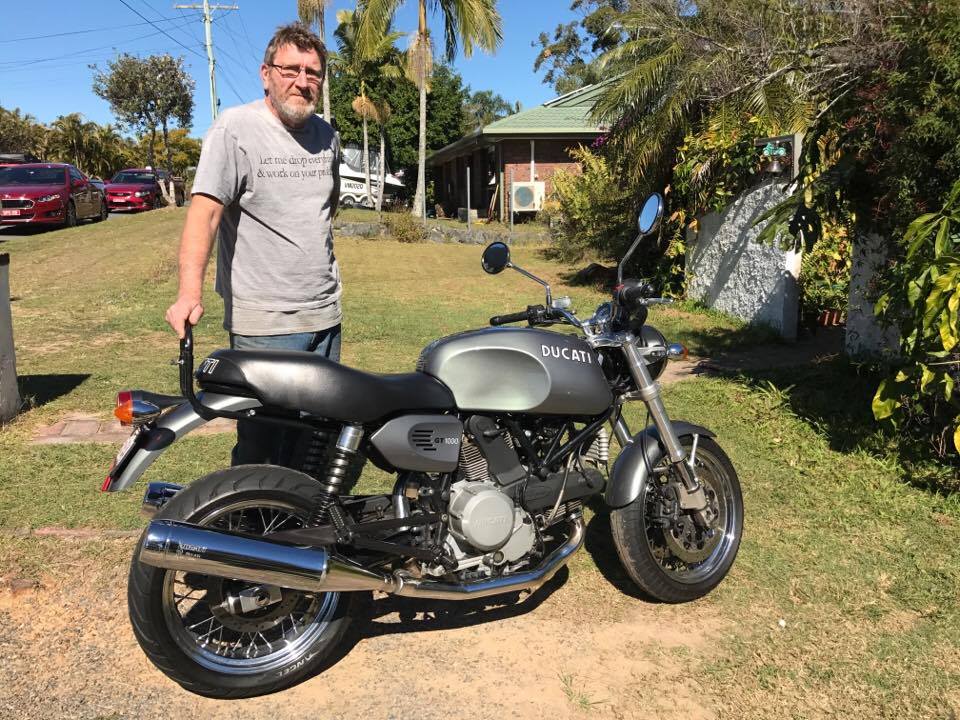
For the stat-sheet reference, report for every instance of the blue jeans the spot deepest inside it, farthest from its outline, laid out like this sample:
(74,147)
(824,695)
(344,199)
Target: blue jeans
(265,443)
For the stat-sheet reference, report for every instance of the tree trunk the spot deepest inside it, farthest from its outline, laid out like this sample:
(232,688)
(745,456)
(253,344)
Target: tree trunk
(419,198)
(167,189)
(366,160)
(383,174)
(150,151)
(326,68)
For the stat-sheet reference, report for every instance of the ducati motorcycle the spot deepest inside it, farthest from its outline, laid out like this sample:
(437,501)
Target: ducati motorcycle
(245,580)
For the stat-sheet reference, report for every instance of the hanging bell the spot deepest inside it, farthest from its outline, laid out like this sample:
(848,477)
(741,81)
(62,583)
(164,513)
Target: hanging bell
(774,167)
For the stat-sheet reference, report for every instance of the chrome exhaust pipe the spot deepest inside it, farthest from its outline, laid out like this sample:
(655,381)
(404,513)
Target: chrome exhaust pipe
(190,548)
(157,495)
(176,545)
(529,580)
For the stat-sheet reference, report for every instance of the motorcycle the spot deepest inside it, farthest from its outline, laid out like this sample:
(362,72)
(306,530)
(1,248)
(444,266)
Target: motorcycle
(244,581)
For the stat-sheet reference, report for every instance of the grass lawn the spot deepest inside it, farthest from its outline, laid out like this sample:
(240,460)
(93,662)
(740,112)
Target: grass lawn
(860,566)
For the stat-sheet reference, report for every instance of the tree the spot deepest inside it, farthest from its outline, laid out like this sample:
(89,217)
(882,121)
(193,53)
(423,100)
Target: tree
(379,60)
(382,113)
(483,108)
(70,140)
(147,93)
(570,55)
(310,12)
(467,22)
(185,150)
(445,105)
(21,133)
(173,97)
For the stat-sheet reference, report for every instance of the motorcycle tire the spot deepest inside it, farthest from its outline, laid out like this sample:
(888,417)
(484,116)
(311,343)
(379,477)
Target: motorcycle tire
(680,562)
(231,666)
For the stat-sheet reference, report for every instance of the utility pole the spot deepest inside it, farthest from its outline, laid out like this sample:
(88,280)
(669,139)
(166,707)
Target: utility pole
(208,34)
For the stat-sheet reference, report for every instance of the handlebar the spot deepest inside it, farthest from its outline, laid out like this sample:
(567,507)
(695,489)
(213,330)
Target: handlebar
(534,314)
(511,318)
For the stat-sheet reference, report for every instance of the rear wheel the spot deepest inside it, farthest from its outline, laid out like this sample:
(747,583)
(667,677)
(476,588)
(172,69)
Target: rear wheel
(662,549)
(190,625)
(104,210)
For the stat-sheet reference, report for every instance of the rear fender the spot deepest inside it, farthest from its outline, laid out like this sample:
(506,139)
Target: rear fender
(170,427)
(634,464)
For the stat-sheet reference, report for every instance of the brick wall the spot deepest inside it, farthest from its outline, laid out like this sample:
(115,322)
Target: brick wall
(549,156)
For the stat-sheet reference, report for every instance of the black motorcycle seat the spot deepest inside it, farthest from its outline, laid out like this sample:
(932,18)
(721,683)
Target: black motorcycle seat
(297,380)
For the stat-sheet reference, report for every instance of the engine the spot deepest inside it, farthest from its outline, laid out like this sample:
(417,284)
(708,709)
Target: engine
(496,512)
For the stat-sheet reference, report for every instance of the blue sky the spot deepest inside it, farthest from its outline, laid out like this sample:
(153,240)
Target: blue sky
(48,77)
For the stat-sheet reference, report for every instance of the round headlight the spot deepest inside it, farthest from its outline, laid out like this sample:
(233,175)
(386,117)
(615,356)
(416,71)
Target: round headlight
(141,193)
(651,337)
(49,198)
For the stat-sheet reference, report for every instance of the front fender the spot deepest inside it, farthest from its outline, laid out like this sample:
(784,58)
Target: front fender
(635,462)
(158,436)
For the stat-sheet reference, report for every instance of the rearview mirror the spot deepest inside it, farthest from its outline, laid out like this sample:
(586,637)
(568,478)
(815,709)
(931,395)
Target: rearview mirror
(496,256)
(650,213)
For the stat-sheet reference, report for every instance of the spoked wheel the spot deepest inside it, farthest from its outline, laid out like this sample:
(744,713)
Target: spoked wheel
(230,638)
(665,552)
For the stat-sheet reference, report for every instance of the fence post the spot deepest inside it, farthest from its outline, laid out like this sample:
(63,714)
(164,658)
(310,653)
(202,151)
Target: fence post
(9,395)
(469,228)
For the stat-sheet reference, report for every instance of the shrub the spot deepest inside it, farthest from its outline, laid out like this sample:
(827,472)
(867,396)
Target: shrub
(404,227)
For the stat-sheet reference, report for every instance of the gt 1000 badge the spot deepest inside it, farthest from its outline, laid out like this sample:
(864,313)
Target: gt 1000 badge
(566,353)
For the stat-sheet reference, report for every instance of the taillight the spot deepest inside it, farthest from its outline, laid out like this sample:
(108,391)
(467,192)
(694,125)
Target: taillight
(124,409)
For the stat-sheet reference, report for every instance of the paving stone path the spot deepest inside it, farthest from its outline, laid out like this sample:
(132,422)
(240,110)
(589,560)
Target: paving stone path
(87,428)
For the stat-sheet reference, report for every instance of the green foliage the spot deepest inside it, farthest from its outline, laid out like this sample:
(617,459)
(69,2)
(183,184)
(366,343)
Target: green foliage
(405,228)
(147,94)
(445,105)
(825,272)
(923,298)
(594,210)
(484,107)
(570,54)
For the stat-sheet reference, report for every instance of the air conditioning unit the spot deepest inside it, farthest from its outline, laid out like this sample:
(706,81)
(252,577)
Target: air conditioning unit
(527,196)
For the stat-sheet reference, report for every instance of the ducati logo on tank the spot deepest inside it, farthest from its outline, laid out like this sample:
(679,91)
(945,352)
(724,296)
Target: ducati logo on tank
(566,353)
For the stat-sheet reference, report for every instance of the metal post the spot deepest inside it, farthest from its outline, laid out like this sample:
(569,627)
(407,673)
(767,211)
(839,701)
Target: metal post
(510,209)
(469,228)
(208,37)
(9,395)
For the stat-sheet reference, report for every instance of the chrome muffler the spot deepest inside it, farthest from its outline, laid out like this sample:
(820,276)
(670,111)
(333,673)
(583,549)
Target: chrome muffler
(182,546)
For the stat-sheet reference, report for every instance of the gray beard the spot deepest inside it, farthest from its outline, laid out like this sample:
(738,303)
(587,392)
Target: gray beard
(292,115)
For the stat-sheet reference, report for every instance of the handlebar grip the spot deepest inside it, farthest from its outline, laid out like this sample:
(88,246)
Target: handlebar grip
(511,318)
(632,292)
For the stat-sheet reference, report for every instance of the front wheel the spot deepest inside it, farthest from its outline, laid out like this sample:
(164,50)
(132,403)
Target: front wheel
(662,549)
(192,627)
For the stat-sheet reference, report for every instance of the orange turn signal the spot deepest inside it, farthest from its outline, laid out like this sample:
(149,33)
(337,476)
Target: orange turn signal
(124,409)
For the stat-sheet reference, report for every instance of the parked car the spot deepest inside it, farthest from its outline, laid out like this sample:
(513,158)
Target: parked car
(48,194)
(139,189)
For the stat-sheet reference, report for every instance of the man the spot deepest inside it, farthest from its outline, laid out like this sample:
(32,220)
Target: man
(268,181)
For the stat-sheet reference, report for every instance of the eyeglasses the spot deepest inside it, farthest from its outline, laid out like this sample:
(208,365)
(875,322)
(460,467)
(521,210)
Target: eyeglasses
(292,72)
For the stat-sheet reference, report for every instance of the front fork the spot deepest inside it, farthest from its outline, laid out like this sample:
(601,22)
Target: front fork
(692,497)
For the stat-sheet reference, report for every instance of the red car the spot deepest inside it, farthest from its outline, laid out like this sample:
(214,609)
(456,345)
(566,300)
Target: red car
(48,194)
(134,189)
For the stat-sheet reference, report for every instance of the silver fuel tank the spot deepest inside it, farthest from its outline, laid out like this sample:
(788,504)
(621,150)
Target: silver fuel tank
(520,370)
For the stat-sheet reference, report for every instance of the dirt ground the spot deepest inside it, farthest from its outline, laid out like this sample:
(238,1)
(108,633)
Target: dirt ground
(578,647)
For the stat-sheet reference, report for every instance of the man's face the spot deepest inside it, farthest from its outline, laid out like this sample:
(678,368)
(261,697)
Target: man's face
(293,98)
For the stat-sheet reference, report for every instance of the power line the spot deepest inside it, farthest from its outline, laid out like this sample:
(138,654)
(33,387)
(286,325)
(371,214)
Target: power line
(21,63)
(139,14)
(243,25)
(84,32)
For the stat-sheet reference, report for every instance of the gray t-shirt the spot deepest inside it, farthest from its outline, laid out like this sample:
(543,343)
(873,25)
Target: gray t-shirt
(276,270)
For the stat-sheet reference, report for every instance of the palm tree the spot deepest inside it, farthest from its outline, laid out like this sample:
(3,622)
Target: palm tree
(467,22)
(378,60)
(107,147)
(382,113)
(311,11)
(70,141)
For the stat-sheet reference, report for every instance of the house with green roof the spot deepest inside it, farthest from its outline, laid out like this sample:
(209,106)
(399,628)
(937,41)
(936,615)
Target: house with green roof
(511,161)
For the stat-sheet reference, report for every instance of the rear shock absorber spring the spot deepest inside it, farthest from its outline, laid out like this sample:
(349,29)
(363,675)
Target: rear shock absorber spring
(338,467)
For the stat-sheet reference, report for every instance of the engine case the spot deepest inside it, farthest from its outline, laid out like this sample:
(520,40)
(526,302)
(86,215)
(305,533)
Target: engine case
(522,370)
